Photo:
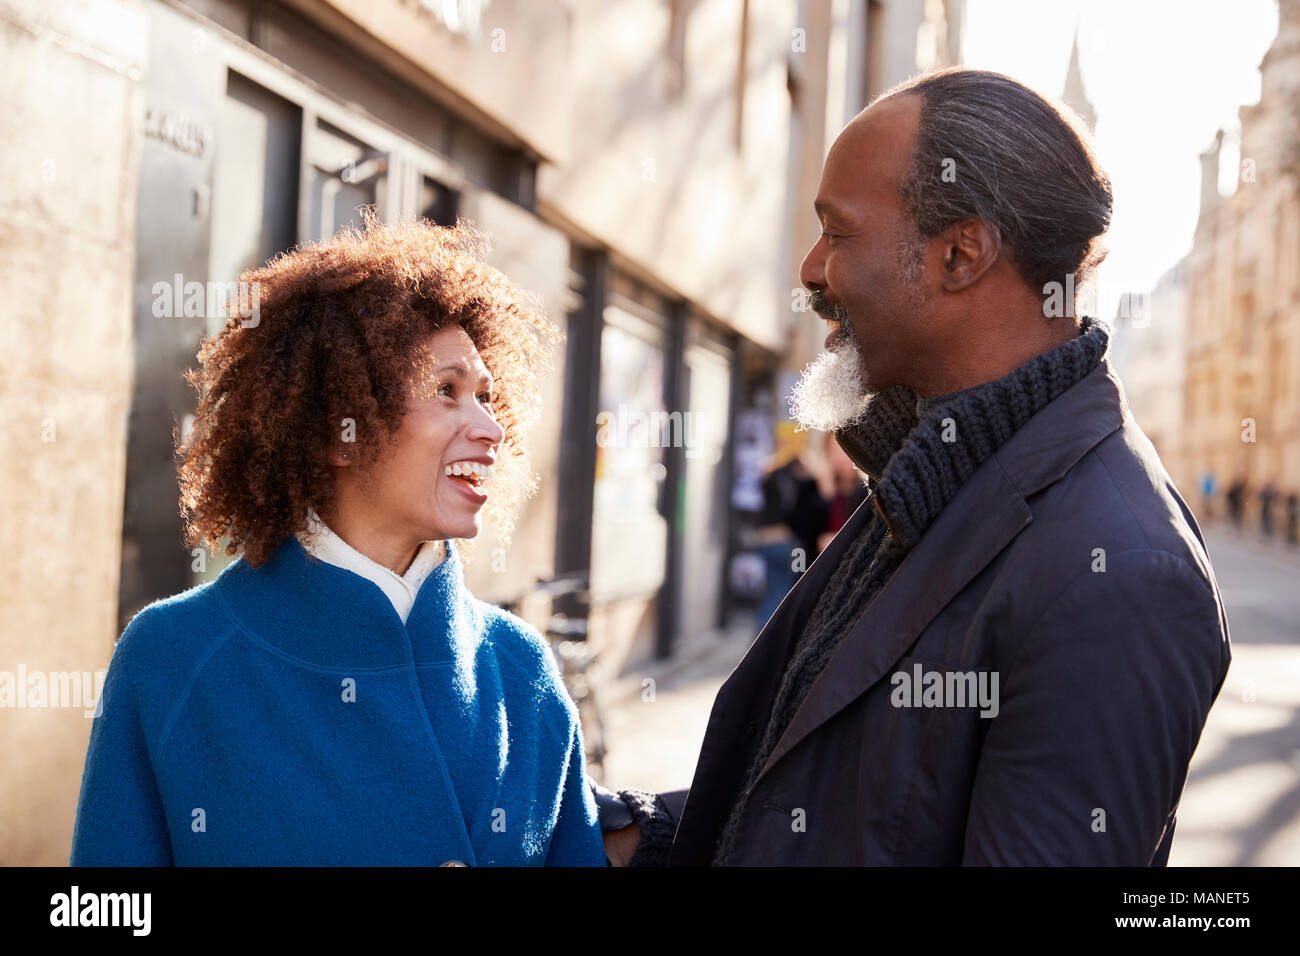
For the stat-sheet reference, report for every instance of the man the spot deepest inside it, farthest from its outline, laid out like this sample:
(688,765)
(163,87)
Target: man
(1236,496)
(1008,653)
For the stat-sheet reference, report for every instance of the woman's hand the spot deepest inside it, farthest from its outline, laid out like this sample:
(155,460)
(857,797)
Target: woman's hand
(621,844)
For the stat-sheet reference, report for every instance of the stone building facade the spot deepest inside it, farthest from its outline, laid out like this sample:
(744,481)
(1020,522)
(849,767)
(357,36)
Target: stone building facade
(1242,388)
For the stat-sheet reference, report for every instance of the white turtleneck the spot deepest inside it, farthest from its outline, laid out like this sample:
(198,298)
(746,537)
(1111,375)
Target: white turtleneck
(320,542)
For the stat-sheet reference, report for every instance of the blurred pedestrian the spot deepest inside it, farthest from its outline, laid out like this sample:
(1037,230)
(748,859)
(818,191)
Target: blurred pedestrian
(846,488)
(1293,518)
(1235,497)
(792,521)
(1267,495)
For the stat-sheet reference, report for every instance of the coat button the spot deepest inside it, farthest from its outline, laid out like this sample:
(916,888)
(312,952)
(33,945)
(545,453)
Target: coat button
(454,863)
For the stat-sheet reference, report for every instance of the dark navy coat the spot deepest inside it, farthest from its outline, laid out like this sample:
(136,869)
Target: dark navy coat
(1069,567)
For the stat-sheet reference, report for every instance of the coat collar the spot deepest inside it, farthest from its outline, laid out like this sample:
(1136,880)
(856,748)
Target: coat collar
(320,541)
(919,452)
(326,616)
(985,514)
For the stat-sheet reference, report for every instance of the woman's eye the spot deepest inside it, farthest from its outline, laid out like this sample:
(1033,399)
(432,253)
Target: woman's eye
(445,389)
(485,398)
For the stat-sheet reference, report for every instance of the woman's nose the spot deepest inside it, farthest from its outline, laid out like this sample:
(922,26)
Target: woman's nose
(485,427)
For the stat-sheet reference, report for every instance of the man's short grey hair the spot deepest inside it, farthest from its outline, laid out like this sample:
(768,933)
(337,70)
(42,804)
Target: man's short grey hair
(1016,161)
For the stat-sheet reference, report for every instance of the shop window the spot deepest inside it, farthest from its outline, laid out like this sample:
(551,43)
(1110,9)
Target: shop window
(344,175)
(255,185)
(629,534)
(438,203)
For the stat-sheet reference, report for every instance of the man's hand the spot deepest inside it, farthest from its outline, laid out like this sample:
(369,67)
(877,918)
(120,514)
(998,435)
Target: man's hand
(621,844)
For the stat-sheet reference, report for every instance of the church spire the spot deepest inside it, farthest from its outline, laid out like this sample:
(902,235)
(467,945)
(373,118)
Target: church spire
(1075,96)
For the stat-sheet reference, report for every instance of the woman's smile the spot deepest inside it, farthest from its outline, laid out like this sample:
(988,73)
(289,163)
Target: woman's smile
(469,476)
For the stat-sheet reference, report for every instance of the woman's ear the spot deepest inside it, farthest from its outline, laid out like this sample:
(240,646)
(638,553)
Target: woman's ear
(340,457)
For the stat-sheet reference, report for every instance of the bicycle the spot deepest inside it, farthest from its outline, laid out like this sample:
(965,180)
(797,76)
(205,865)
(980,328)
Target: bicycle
(568,637)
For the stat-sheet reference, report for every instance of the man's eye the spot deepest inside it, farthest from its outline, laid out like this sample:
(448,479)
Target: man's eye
(829,235)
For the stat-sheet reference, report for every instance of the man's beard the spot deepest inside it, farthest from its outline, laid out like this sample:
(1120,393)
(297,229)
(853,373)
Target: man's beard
(830,394)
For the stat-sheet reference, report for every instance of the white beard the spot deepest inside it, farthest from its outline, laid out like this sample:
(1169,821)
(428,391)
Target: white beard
(830,394)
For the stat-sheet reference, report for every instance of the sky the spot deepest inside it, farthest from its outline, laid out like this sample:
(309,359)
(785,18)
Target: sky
(1163,76)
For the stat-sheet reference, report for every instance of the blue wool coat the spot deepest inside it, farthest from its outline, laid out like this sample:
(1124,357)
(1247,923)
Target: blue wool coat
(284,715)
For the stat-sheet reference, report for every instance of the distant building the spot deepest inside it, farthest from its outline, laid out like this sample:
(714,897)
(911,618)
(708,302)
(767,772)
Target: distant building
(1242,388)
(1149,353)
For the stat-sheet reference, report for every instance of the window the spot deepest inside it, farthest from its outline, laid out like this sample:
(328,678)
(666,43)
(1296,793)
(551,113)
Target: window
(255,183)
(629,535)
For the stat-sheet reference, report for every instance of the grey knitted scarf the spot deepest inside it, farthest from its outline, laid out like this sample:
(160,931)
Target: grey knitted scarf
(918,453)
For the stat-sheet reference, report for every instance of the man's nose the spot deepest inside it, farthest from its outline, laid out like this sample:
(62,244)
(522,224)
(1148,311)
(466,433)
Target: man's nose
(812,272)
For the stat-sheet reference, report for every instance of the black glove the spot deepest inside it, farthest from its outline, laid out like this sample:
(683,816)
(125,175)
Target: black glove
(658,827)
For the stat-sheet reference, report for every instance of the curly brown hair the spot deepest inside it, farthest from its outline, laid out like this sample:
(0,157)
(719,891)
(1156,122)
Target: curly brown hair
(340,334)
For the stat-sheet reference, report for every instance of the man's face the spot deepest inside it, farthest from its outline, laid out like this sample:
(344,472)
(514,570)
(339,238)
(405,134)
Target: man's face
(867,267)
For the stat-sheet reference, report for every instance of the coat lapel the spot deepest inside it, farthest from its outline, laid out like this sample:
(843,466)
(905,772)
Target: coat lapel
(744,696)
(772,646)
(987,512)
(982,518)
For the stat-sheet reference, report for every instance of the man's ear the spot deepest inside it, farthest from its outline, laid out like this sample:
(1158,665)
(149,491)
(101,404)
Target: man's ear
(969,250)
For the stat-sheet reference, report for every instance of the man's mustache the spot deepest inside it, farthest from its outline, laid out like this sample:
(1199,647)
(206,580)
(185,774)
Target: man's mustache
(826,308)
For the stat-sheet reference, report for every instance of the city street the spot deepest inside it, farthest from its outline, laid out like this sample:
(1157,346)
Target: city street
(1241,805)
(654,742)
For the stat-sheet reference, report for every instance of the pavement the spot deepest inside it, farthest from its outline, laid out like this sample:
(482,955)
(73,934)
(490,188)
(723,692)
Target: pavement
(656,718)
(1241,803)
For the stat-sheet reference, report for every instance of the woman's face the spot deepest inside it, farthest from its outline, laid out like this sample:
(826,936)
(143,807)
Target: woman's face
(413,492)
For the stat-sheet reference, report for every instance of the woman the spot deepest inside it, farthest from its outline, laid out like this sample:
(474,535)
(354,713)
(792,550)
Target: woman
(845,489)
(337,696)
